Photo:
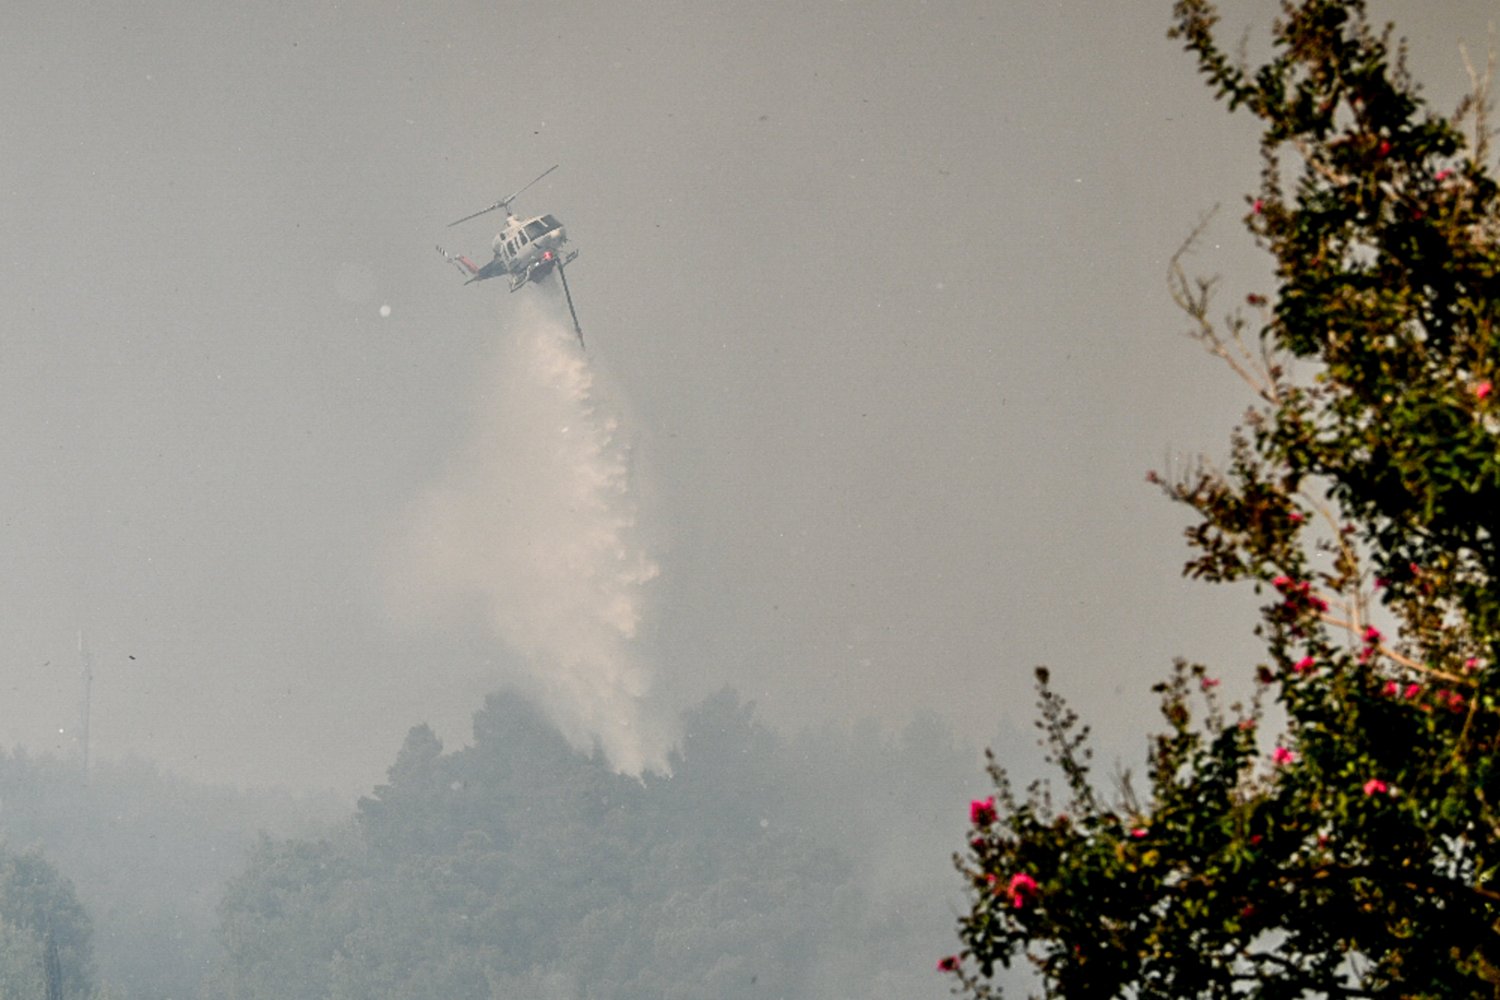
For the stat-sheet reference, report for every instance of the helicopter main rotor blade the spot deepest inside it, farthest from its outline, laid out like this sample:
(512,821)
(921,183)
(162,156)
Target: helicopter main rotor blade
(505,202)
(482,211)
(538,177)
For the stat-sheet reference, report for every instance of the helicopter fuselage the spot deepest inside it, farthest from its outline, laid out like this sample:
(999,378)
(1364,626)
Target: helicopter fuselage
(525,249)
(528,249)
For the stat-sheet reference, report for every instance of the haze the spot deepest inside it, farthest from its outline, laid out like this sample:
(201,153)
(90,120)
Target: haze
(876,290)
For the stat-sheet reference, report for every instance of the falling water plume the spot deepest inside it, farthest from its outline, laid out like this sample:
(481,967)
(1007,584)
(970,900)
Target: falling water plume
(535,527)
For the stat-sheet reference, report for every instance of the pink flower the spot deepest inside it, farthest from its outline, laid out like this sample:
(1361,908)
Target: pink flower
(1209,683)
(1304,665)
(1376,787)
(1483,389)
(1298,593)
(1282,756)
(948,963)
(982,811)
(1022,888)
(1471,664)
(1372,635)
(1258,207)
(1442,175)
(1390,690)
(1296,517)
(1412,690)
(1138,832)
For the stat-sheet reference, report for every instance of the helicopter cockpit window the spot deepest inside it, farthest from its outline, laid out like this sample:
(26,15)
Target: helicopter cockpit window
(537,228)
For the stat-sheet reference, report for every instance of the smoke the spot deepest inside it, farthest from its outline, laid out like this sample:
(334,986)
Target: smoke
(534,530)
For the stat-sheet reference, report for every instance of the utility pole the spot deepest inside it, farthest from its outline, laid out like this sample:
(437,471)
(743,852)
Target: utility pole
(87,661)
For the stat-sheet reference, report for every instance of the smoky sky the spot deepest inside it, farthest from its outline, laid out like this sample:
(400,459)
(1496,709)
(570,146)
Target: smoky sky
(877,289)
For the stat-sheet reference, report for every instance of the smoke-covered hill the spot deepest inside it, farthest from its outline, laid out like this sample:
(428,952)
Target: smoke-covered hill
(763,866)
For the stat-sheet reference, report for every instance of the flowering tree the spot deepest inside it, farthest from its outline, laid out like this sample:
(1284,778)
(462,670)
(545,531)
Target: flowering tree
(1353,852)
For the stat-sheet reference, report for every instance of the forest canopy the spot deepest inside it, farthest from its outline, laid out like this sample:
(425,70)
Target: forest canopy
(519,865)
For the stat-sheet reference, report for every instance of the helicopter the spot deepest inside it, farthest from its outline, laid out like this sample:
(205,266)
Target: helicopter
(525,250)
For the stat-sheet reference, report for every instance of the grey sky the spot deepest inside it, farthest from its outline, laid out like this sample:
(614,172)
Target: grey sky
(879,286)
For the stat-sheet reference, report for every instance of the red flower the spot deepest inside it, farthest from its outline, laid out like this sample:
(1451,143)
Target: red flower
(948,963)
(1022,888)
(982,811)
(1376,787)
(1304,665)
(1281,756)
(1483,389)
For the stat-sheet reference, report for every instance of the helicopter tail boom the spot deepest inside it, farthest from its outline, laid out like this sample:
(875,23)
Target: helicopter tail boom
(464,264)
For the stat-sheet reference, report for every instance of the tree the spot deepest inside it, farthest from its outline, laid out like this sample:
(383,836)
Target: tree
(46,938)
(1353,853)
(283,918)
